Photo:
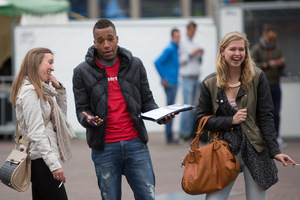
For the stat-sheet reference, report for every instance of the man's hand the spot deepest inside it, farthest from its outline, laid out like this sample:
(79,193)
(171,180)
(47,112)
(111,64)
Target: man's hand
(164,82)
(167,118)
(277,63)
(93,121)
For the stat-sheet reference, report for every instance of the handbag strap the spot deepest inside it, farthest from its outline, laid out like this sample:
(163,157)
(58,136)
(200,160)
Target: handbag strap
(195,142)
(21,138)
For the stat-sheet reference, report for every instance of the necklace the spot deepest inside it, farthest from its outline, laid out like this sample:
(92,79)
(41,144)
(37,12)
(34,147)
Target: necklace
(234,85)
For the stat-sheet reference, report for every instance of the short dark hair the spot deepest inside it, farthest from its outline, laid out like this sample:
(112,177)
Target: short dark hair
(191,24)
(103,23)
(173,31)
(269,27)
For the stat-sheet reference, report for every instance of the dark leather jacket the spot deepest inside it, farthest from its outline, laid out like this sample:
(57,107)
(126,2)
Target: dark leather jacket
(259,125)
(90,87)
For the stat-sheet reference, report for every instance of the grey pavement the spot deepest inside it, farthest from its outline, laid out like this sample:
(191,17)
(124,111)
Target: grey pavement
(82,184)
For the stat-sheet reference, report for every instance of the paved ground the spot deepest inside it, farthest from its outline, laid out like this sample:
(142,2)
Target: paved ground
(81,180)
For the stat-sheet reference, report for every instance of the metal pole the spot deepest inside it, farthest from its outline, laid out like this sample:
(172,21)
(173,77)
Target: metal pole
(135,8)
(217,8)
(93,9)
(186,8)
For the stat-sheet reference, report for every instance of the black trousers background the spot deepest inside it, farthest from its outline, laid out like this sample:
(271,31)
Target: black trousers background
(44,186)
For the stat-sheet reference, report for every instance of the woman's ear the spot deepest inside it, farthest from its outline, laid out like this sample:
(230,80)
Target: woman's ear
(222,51)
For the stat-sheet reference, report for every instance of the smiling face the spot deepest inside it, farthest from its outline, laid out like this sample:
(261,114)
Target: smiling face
(46,67)
(106,43)
(234,53)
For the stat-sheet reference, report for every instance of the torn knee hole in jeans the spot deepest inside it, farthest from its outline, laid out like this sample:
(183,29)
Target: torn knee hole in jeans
(151,189)
(106,175)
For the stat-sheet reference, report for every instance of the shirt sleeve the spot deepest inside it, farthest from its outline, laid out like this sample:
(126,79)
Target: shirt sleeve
(161,62)
(265,115)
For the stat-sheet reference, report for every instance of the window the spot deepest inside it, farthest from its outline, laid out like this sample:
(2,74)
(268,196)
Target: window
(287,22)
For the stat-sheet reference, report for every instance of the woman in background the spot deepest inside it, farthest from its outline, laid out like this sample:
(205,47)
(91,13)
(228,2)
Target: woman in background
(40,103)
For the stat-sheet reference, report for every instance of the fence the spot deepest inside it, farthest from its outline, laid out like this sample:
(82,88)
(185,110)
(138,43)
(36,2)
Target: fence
(7,114)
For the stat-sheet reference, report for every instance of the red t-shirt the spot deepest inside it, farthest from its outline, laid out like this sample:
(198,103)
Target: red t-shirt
(119,125)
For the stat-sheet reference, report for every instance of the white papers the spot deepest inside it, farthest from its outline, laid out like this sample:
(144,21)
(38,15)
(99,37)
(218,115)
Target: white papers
(160,113)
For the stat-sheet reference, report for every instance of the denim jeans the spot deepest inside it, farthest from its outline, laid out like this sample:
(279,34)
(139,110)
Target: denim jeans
(253,190)
(130,158)
(190,91)
(171,91)
(276,97)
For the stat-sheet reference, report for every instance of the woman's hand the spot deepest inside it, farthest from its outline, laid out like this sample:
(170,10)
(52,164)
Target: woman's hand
(240,116)
(59,175)
(285,159)
(55,83)
(93,121)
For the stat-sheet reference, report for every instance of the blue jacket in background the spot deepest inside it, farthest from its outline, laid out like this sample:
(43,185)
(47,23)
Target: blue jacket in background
(167,64)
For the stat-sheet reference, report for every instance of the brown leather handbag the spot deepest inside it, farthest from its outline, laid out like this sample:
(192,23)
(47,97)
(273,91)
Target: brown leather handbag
(209,168)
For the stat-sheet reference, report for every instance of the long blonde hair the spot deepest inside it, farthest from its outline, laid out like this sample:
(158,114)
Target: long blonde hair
(247,71)
(29,69)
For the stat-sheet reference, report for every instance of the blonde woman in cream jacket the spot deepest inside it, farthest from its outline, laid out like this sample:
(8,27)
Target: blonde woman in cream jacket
(41,106)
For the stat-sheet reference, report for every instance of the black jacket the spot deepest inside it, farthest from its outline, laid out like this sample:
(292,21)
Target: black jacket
(259,125)
(90,88)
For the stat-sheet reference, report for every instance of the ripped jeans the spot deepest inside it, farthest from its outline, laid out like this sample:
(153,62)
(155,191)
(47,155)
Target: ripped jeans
(130,158)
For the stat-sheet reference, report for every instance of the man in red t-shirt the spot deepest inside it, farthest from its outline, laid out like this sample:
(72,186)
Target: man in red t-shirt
(111,91)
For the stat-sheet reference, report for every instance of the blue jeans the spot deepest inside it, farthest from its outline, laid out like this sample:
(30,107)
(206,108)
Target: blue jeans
(276,97)
(130,158)
(253,190)
(171,91)
(190,91)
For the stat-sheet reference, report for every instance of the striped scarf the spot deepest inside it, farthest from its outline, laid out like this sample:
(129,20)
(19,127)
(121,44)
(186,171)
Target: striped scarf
(63,129)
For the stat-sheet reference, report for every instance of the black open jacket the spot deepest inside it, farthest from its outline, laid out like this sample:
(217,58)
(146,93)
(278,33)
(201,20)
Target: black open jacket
(90,88)
(259,125)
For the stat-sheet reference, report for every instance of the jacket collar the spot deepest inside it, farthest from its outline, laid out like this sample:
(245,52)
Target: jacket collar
(124,55)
